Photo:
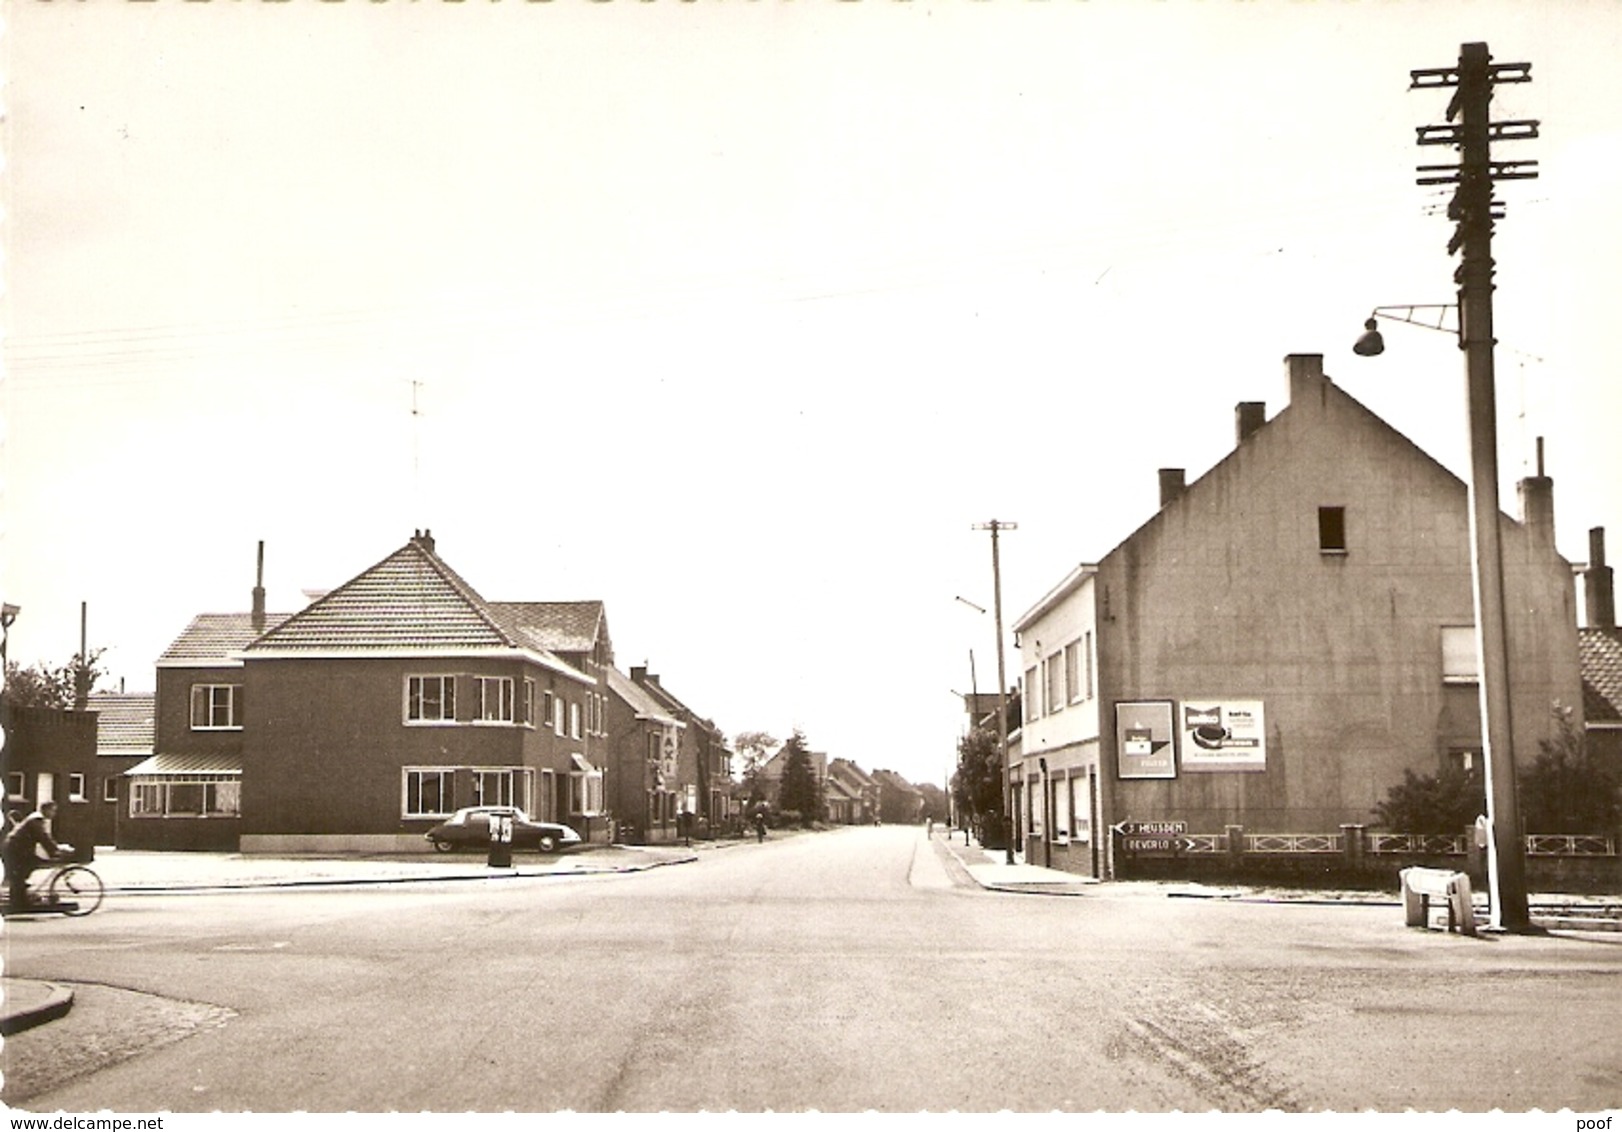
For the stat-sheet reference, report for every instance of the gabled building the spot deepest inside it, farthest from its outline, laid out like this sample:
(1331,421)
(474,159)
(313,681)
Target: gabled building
(1286,637)
(643,763)
(704,762)
(379,709)
(125,727)
(853,794)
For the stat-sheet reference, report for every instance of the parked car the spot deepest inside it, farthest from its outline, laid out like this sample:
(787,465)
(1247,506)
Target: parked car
(470,828)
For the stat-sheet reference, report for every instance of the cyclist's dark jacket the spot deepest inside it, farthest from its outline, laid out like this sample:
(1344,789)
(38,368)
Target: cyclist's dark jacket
(23,842)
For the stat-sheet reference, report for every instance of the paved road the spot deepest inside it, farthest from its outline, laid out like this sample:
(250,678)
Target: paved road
(852,970)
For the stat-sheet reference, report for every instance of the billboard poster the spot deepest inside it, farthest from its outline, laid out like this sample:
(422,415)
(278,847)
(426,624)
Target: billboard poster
(1144,738)
(1220,734)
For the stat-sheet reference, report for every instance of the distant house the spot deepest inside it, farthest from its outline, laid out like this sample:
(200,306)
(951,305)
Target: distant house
(382,707)
(125,729)
(899,800)
(771,775)
(852,793)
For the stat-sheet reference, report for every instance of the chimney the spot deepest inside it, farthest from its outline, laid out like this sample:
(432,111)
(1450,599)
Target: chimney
(1248,417)
(1171,484)
(1537,505)
(639,674)
(1598,592)
(259,593)
(424,538)
(1306,376)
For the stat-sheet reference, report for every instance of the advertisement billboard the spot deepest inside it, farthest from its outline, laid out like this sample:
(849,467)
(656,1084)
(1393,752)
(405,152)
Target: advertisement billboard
(1144,740)
(1219,734)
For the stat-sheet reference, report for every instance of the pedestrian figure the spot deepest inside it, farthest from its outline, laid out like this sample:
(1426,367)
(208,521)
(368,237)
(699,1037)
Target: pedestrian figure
(929,827)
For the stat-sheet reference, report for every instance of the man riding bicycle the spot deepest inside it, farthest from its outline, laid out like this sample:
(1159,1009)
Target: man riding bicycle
(22,848)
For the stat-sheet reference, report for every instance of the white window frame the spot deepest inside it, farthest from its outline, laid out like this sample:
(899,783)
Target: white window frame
(205,696)
(220,796)
(109,789)
(1072,673)
(16,784)
(529,701)
(585,793)
(1053,683)
(574,719)
(415,700)
(445,777)
(557,715)
(495,699)
(76,788)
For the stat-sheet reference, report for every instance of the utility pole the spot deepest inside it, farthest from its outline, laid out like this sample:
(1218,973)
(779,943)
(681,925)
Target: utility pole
(1474,210)
(994,526)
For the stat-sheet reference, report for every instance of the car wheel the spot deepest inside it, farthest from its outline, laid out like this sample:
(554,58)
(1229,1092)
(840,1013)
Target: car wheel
(547,843)
(442,846)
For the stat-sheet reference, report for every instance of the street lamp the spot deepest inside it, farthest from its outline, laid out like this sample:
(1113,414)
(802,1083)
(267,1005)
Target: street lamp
(1506,858)
(8,615)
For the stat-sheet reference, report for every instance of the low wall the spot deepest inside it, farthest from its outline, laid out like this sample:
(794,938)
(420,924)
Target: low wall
(1353,865)
(212,835)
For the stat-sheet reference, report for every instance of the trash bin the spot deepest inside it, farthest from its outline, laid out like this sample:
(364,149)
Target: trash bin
(501,841)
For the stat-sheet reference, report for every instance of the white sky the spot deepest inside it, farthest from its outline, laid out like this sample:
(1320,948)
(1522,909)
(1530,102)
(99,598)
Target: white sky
(740,316)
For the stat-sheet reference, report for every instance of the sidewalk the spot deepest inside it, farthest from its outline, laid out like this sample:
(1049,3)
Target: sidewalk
(989,869)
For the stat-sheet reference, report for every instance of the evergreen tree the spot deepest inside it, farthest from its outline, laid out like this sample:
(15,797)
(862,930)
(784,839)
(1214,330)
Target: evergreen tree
(799,791)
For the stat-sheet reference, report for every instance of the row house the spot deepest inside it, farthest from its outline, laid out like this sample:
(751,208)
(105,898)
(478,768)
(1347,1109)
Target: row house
(703,754)
(853,795)
(1601,645)
(1278,644)
(648,778)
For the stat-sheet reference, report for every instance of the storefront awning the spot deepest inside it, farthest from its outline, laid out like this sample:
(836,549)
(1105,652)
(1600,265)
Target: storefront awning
(199,763)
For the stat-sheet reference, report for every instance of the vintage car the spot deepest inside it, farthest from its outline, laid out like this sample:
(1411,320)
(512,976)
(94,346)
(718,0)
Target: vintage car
(470,828)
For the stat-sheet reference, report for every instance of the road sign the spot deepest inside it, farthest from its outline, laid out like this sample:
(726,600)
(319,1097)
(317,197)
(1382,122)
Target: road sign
(1161,829)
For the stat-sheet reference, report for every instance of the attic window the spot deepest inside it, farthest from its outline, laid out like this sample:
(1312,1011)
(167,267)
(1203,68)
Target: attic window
(1332,530)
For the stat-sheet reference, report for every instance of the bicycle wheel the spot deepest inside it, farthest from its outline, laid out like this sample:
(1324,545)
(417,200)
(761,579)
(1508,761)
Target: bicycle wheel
(79,886)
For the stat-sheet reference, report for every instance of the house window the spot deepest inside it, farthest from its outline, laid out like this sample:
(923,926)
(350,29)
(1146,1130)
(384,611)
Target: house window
(216,707)
(1033,704)
(76,788)
(557,715)
(430,699)
(193,796)
(493,788)
(1466,759)
(1080,809)
(1055,674)
(1459,660)
(1072,672)
(15,784)
(586,793)
(1332,530)
(1087,665)
(109,789)
(428,792)
(496,699)
(529,702)
(574,720)
(1061,811)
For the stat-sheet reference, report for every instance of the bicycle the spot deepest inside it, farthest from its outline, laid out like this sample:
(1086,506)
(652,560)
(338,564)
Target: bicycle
(70,888)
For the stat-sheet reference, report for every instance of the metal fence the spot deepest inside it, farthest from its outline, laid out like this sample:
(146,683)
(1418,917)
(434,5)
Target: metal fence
(1431,844)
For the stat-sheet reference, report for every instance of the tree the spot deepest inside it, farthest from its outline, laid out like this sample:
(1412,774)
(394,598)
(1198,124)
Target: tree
(754,749)
(799,790)
(1569,789)
(64,686)
(977,785)
(1446,802)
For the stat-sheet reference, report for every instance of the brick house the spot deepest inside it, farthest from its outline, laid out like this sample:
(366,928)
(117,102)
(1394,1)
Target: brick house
(377,710)
(852,794)
(1281,641)
(50,756)
(1601,645)
(643,761)
(704,761)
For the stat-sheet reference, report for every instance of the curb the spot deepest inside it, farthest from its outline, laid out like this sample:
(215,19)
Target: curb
(42,1002)
(425,878)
